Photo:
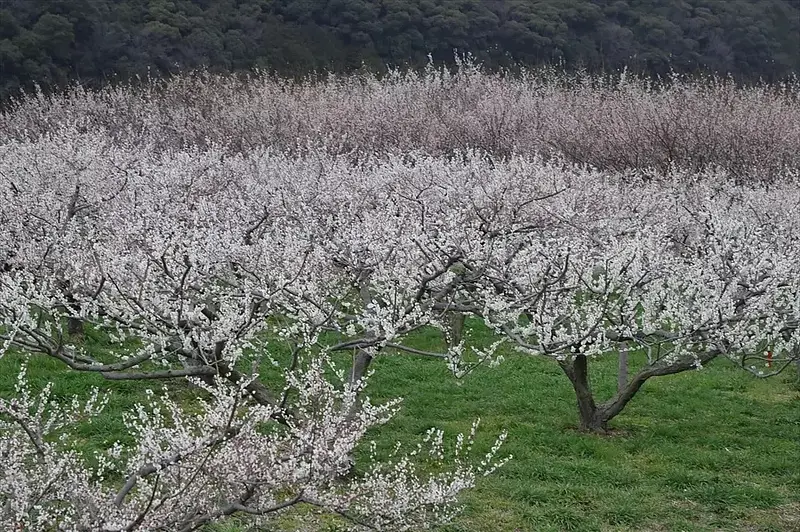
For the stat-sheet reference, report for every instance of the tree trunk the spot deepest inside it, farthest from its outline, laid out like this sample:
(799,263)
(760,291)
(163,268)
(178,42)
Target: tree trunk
(592,418)
(622,370)
(455,329)
(361,361)
(361,358)
(75,328)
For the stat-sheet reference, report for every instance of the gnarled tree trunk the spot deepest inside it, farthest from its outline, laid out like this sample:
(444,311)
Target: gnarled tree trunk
(455,328)
(622,370)
(361,361)
(75,328)
(594,417)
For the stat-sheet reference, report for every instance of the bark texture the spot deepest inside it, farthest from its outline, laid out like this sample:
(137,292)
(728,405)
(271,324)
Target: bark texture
(593,416)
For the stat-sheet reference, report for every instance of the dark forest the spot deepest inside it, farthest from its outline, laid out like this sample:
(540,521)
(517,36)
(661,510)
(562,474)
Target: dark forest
(55,42)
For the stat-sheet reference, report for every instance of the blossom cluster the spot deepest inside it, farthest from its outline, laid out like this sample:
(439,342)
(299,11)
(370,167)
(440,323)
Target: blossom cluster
(225,455)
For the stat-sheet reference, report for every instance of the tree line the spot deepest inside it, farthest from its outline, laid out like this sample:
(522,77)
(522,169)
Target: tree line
(53,42)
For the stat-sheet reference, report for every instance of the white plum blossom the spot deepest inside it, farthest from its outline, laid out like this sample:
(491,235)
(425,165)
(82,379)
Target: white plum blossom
(212,257)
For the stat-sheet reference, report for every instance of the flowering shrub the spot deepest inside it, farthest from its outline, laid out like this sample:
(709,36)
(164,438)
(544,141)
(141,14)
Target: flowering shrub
(227,456)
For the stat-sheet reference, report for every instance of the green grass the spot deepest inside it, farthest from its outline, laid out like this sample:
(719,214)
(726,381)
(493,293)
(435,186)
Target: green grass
(705,450)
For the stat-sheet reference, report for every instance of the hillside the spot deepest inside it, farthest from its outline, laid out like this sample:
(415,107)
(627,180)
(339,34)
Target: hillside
(52,42)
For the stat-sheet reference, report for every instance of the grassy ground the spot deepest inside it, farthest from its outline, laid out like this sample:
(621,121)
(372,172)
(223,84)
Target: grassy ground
(704,450)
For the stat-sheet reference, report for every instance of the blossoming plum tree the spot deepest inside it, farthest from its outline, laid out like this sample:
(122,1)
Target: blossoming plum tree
(198,262)
(589,265)
(204,262)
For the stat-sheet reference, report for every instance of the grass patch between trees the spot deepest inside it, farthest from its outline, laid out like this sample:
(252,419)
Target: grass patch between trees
(714,449)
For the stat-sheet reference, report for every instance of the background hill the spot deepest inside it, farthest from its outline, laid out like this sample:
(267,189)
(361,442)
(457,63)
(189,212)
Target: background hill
(54,41)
